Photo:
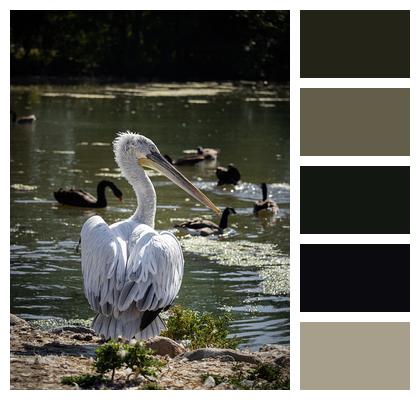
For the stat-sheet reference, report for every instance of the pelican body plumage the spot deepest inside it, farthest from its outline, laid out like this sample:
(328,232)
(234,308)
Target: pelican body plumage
(130,271)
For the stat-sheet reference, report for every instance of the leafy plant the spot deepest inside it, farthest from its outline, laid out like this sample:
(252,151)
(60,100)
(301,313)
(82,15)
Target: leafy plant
(109,357)
(203,329)
(85,381)
(113,355)
(264,376)
(140,359)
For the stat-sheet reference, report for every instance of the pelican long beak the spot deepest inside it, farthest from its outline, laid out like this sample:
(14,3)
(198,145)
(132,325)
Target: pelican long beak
(157,162)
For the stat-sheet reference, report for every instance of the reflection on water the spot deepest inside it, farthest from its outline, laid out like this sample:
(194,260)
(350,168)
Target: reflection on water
(244,272)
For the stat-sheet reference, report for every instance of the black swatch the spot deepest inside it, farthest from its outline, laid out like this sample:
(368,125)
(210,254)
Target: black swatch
(355,277)
(355,44)
(355,200)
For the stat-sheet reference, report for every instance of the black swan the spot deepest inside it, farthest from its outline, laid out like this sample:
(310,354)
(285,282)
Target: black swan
(80,198)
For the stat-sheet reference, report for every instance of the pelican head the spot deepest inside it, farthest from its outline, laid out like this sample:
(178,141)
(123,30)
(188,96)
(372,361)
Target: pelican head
(132,145)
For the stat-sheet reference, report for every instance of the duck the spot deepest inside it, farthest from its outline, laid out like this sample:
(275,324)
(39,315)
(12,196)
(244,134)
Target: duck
(81,198)
(191,159)
(228,176)
(207,152)
(25,120)
(201,154)
(205,227)
(265,205)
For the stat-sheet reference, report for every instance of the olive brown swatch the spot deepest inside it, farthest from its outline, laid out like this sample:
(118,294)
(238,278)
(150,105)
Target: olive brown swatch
(355,122)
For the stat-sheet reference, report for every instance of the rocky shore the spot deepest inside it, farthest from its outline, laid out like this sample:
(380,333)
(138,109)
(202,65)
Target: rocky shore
(39,359)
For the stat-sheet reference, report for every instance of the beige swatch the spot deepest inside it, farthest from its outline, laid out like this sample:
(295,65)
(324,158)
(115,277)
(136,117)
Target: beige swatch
(354,355)
(355,122)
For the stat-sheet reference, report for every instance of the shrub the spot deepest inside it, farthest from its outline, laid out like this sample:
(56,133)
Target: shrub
(113,355)
(108,358)
(203,329)
(140,359)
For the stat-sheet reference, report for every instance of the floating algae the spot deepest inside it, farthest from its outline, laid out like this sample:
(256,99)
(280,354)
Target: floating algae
(22,187)
(79,95)
(53,323)
(272,264)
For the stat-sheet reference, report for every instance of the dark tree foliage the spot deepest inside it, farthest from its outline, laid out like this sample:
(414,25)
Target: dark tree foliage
(151,45)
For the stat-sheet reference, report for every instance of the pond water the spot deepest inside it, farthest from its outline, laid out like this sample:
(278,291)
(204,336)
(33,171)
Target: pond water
(245,273)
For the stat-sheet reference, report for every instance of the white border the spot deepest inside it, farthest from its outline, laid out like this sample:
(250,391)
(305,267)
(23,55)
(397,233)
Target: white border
(295,83)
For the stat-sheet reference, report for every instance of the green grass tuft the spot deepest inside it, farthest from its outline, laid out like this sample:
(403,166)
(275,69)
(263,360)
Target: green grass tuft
(85,381)
(203,329)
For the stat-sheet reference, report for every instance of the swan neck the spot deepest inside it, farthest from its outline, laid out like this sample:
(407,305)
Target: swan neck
(101,199)
(224,220)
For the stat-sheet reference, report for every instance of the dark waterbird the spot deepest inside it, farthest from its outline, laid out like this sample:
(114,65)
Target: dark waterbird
(201,154)
(205,227)
(80,198)
(265,205)
(228,176)
(187,160)
(207,153)
(25,120)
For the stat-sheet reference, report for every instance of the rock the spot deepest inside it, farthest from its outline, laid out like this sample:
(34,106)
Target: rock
(85,338)
(165,346)
(226,358)
(247,383)
(16,321)
(73,328)
(278,347)
(282,361)
(222,386)
(209,352)
(209,382)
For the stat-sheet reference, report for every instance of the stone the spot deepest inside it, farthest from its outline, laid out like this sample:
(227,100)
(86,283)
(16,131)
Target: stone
(164,346)
(247,383)
(73,328)
(16,321)
(209,352)
(226,358)
(209,382)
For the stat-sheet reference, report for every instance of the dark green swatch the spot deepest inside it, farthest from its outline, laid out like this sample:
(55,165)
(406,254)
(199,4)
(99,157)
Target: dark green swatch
(355,44)
(355,122)
(353,200)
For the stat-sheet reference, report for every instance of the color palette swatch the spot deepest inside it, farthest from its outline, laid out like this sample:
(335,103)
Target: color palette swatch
(355,44)
(355,122)
(351,355)
(355,200)
(354,278)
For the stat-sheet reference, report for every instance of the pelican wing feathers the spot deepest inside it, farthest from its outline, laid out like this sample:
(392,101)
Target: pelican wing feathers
(129,276)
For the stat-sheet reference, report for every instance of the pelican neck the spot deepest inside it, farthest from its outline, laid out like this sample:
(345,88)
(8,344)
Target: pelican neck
(143,187)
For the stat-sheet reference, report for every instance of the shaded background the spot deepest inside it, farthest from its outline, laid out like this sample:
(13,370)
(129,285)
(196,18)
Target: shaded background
(151,45)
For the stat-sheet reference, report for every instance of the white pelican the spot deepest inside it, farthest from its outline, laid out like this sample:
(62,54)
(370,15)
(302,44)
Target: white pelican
(131,272)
